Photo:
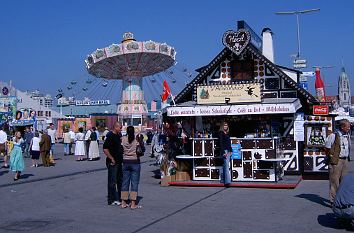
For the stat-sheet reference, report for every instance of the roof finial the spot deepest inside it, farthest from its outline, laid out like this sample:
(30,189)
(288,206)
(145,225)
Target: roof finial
(343,69)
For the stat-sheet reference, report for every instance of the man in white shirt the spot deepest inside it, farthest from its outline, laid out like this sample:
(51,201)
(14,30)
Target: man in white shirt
(52,133)
(3,145)
(72,137)
(338,153)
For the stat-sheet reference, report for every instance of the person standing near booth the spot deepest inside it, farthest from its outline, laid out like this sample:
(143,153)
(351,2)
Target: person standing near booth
(337,149)
(225,152)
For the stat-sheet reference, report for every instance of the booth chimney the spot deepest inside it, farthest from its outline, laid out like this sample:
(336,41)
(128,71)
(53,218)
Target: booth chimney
(268,50)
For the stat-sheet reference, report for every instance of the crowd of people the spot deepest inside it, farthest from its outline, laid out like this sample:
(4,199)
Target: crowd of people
(41,144)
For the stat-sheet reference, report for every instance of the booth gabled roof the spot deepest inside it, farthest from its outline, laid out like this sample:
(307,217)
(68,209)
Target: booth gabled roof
(204,72)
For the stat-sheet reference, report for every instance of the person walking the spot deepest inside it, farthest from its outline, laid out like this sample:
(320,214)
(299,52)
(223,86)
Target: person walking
(72,141)
(17,164)
(93,150)
(53,136)
(67,141)
(80,150)
(225,152)
(132,151)
(35,149)
(337,149)
(113,150)
(28,135)
(343,205)
(44,147)
(3,145)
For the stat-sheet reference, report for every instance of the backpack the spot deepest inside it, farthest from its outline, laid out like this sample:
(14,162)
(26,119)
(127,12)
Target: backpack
(93,136)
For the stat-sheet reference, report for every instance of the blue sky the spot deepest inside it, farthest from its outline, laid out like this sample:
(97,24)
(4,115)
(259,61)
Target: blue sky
(44,43)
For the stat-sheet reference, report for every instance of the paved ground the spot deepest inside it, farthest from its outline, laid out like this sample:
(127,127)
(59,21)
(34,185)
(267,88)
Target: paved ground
(67,199)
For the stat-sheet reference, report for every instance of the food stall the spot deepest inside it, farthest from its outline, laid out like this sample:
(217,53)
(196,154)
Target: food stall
(268,112)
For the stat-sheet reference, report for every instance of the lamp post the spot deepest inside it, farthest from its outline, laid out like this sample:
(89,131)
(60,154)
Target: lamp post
(297,13)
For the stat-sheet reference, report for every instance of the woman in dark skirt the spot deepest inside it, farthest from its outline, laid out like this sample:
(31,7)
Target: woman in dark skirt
(35,149)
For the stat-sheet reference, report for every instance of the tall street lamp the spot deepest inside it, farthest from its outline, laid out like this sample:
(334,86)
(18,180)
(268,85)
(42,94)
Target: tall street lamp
(297,13)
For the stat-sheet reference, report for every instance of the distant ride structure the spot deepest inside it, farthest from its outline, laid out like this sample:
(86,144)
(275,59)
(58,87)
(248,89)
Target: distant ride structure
(131,61)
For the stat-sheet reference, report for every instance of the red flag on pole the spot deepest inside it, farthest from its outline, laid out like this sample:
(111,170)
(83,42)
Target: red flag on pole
(320,87)
(166,91)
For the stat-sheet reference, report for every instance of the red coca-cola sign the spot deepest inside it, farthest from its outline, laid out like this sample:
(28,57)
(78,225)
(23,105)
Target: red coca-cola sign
(320,110)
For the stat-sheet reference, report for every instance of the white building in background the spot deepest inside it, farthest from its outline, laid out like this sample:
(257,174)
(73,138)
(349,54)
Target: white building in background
(66,101)
(344,91)
(44,100)
(44,115)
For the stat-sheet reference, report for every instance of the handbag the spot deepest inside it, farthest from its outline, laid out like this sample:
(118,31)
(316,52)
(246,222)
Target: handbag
(139,150)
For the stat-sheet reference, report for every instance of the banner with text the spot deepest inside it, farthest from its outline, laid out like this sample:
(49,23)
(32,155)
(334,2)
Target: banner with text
(233,93)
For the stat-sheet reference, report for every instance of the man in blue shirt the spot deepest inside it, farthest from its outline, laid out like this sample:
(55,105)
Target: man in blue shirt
(343,205)
(28,138)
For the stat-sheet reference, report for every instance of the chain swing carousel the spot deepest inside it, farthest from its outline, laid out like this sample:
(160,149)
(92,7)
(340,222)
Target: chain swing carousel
(132,61)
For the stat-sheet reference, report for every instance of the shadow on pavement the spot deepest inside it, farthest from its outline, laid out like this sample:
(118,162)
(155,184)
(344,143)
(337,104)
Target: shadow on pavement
(4,172)
(156,174)
(329,220)
(315,198)
(25,176)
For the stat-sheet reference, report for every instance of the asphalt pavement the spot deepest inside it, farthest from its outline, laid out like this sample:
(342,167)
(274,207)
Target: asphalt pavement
(71,197)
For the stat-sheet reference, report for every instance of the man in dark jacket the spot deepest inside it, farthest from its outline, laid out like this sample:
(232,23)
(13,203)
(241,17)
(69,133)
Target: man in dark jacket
(45,144)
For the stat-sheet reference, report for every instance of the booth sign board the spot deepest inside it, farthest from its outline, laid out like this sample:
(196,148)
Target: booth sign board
(91,103)
(233,93)
(233,110)
(320,110)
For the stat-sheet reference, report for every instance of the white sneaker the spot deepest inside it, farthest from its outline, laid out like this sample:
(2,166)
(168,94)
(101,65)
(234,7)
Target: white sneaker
(116,203)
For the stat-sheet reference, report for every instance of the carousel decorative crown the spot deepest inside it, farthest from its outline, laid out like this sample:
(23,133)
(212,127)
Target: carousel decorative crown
(128,36)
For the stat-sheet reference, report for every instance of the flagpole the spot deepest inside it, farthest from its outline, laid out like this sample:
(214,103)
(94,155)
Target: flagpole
(173,100)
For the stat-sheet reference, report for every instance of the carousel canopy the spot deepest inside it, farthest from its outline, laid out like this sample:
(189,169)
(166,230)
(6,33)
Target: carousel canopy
(130,59)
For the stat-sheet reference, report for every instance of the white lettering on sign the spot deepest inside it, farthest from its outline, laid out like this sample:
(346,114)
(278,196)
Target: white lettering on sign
(234,109)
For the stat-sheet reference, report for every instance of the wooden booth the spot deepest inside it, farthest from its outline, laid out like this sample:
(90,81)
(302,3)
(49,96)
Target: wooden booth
(270,115)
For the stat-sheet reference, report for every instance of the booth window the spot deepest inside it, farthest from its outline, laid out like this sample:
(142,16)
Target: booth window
(242,70)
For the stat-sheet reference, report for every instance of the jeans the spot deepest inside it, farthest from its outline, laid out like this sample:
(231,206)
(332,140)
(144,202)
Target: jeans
(27,149)
(131,177)
(66,148)
(347,213)
(52,149)
(70,148)
(226,170)
(114,182)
